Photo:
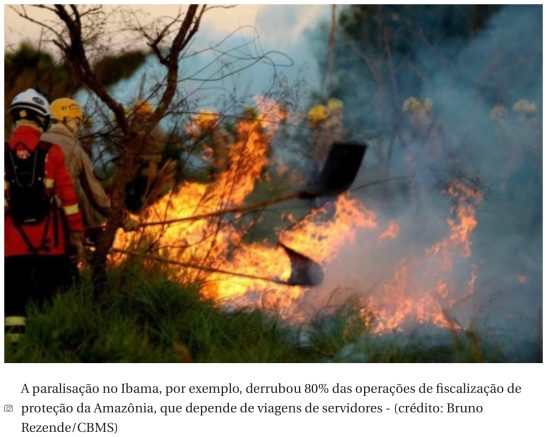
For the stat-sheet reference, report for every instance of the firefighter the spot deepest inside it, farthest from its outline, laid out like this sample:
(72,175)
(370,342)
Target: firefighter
(35,241)
(67,117)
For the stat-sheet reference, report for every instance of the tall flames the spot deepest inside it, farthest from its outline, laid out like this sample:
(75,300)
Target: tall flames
(420,289)
(424,288)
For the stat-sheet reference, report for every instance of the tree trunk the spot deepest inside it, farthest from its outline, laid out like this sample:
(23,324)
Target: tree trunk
(129,161)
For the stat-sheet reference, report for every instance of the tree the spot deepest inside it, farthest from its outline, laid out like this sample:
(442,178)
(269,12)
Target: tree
(382,41)
(76,33)
(122,130)
(387,53)
(31,66)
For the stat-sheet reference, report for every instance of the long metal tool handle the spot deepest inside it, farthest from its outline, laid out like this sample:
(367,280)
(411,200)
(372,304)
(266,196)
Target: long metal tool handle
(204,268)
(239,209)
(338,173)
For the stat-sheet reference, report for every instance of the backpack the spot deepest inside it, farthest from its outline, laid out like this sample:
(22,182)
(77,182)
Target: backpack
(29,202)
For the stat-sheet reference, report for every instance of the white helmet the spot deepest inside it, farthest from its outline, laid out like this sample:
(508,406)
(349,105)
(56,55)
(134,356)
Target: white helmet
(31,100)
(32,105)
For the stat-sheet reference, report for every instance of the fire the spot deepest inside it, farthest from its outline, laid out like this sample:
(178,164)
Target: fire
(390,233)
(423,290)
(321,236)
(465,221)
(420,289)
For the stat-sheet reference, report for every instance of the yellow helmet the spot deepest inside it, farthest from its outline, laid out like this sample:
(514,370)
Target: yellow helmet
(66,109)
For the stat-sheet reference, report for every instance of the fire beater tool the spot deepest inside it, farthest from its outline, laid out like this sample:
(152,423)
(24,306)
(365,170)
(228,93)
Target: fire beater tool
(339,172)
(304,271)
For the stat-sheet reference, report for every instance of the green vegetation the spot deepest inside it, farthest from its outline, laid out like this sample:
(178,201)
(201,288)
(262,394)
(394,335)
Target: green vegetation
(148,318)
(30,66)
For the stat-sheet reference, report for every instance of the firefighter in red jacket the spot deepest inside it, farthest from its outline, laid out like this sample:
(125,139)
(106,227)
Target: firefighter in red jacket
(37,231)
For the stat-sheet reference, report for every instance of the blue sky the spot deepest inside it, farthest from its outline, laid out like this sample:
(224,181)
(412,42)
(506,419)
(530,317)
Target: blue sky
(257,29)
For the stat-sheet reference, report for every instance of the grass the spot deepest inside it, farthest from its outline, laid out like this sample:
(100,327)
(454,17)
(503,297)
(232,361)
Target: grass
(148,318)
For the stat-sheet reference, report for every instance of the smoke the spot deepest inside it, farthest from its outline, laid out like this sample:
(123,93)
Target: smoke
(238,53)
(480,128)
(483,129)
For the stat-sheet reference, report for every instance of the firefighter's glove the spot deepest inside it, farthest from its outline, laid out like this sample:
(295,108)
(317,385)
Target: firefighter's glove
(76,240)
(130,224)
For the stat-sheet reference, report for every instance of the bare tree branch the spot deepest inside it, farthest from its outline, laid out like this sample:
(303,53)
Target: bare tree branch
(76,55)
(186,31)
(23,14)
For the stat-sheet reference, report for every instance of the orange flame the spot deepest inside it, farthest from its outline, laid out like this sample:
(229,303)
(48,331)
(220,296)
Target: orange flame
(390,233)
(421,288)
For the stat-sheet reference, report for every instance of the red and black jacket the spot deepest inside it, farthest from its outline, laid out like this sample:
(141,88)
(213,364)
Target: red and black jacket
(49,236)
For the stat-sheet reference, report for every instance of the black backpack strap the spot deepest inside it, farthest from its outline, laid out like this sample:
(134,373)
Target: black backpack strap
(7,169)
(8,166)
(8,162)
(42,149)
(43,243)
(44,145)
(38,159)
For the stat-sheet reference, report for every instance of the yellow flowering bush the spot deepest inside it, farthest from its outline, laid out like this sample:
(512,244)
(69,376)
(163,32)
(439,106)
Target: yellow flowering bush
(498,112)
(205,118)
(317,114)
(412,104)
(334,105)
(201,122)
(525,107)
(142,107)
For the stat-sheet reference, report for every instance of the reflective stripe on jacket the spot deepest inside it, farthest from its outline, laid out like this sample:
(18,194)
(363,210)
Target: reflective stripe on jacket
(91,195)
(56,180)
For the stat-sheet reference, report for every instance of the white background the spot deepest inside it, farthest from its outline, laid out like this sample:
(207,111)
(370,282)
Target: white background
(504,415)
